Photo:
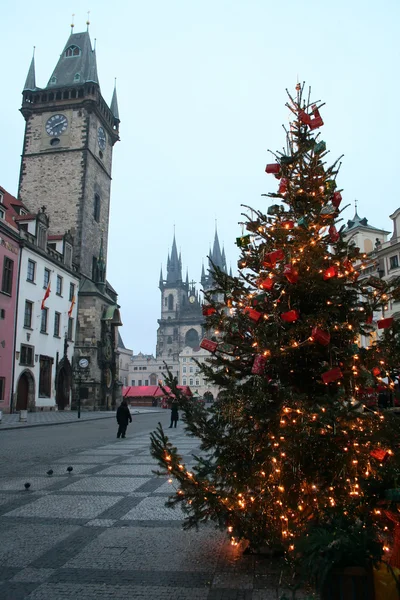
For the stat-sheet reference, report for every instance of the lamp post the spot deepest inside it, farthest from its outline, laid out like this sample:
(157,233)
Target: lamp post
(81,369)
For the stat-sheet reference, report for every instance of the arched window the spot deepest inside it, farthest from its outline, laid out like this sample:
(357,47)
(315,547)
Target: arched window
(169,340)
(96,208)
(192,338)
(170,302)
(190,381)
(77,77)
(184,381)
(165,301)
(72,51)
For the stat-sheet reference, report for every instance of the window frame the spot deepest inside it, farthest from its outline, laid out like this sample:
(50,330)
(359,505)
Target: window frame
(394,261)
(46,278)
(31,270)
(57,320)
(29,304)
(7,278)
(71,291)
(25,348)
(70,329)
(45,376)
(59,285)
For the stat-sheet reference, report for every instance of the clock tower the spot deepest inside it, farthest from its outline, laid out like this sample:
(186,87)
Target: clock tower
(66,164)
(67,152)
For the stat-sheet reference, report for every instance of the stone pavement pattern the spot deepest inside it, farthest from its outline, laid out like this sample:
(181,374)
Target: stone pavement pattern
(103,531)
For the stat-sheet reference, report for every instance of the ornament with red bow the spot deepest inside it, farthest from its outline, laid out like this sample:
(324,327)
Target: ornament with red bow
(332,375)
(253,314)
(207,310)
(266,284)
(376,371)
(320,336)
(330,272)
(336,199)
(290,316)
(208,345)
(333,234)
(273,257)
(291,273)
(385,323)
(273,168)
(316,120)
(287,224)
(259,364)
(380,454)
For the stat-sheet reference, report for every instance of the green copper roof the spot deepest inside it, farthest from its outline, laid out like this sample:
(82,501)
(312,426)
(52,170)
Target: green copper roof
(77,63)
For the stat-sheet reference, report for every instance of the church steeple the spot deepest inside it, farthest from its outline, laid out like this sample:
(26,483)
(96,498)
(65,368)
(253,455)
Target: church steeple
(30,83)
(114,103)
(77,63)
(174,265)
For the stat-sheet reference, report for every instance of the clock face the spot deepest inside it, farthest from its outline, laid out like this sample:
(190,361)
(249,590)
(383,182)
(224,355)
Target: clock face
(56,125)
(101,138)
(192,299)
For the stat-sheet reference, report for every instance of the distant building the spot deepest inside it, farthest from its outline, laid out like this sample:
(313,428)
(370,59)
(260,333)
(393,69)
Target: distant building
(189,373)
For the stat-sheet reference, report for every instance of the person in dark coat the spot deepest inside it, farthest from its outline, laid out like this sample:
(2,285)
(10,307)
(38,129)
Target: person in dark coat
(123,418)
(174,414)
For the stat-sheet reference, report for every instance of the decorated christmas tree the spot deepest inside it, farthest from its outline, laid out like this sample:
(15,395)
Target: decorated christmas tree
(289,442)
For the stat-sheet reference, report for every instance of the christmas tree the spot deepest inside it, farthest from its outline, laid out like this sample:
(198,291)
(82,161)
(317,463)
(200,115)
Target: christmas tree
(289,442)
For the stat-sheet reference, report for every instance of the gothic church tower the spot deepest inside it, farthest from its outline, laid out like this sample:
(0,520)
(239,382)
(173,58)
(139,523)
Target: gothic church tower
(67,152)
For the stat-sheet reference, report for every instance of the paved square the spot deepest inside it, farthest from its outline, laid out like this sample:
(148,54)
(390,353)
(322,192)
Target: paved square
(130,469)
(65,507)
(150,509)
(106,484)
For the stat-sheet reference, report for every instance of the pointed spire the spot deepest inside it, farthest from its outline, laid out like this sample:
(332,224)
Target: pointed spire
(30,83)
(161,282)
(216,254)
(187,277)
(223,260)
(114,102)
(77,63)
(174,267)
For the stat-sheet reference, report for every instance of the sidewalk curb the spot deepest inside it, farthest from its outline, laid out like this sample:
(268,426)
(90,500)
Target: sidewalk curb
(27,426)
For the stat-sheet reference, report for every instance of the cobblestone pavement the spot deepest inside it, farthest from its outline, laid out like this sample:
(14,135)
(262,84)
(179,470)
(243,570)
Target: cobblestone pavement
(61,417)
(103,531)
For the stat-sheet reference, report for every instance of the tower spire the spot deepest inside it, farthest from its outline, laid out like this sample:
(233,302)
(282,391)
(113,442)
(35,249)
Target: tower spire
(114,103)
(30,83)
(174,266)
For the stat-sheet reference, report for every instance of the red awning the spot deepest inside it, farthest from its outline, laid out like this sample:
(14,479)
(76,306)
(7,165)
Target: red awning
(151,391)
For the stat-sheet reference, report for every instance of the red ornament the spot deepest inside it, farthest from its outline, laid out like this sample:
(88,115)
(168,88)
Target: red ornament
(376,371)
(287,224)
(290,273)
(273,168)
(207,310)
(380,454)
(330,272)
(266,284)
(332,375)
(273,257)
(385,323)
(348,265)
(259,364)
(369,318)
(315,123)
(283,185)
(336,199)
(208,345)
(290,316)
(253,314)
(304,117)
(320,336)
(333,234)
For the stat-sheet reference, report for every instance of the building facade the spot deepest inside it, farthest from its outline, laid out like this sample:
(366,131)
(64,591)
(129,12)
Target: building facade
(66,165)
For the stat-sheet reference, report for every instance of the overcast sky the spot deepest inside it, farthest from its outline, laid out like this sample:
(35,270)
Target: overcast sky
(201,90)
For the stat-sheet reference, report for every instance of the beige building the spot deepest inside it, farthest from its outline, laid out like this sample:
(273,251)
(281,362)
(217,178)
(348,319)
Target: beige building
(189,373)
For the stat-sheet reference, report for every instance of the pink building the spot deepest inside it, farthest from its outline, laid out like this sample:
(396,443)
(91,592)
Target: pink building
(10,207)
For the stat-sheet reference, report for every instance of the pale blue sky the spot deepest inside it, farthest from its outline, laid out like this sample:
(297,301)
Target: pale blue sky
(201,90)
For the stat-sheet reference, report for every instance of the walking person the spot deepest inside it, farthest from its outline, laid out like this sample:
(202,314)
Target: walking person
(174,414)
(123,418)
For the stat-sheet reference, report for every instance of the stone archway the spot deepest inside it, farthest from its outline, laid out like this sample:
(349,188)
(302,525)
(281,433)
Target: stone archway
(25,392)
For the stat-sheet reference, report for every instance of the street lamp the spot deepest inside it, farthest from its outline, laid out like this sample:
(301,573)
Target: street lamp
(81,369)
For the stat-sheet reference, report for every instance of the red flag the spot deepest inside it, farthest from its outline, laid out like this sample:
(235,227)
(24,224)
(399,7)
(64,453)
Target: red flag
(46,295)
(71,308)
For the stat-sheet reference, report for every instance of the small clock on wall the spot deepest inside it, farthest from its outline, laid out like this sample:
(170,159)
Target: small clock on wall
(101,138)
(192,299)
(56,125)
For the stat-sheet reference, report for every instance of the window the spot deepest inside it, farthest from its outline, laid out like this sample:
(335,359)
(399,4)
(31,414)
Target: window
(59,285)
(41,237)
(53,79)
(26,355)
(8,267)
(70,329)
(169,340)
(139,382)
(184,369)
(125,381)
(71,291)
(184,381)
(2,213)
(46,278)
(43,322)
(197,381)
(135,368)
(191,369)
(146,382)
(96,208)
(45,376)
(190,381)
(72,51)
(144,368)
(57,318)
(133,382)
(394,262)
(2,387)
(77,77)
(184,359)
(28,314)
(170,302)
(31,271)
